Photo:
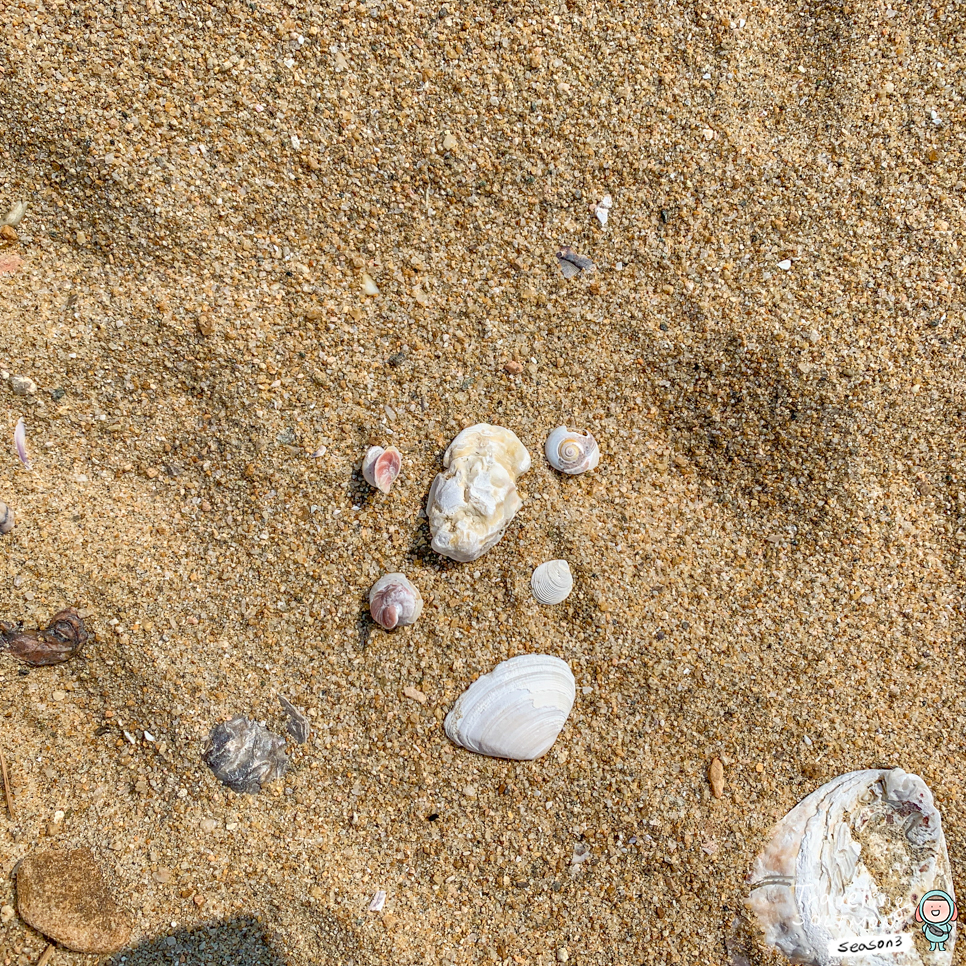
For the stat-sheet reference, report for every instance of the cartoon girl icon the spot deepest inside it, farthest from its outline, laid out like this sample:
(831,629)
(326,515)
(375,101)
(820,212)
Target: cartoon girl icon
(937,912)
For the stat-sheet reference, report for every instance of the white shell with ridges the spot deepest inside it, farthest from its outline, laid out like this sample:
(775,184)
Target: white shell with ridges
(852,859)
(394,601)
(516,711)
(552,582)
(473,500)
(572,452)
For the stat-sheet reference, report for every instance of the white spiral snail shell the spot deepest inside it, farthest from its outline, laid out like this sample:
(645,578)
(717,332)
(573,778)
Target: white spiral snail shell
(394,602)
(572,452)
(552,582)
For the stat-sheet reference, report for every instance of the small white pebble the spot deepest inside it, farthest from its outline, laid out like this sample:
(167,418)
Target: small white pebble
(785,265)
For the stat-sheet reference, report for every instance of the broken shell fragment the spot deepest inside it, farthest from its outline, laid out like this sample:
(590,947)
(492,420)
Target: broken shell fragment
(244,755)
(516,711)
(602,209)
(381,467)
(394,602)
(572,264)
(20,442)
(473,501)
(298,724)
(572,452)
(15,215)
(853,859)
(552,582)
(59,641)
(6,518)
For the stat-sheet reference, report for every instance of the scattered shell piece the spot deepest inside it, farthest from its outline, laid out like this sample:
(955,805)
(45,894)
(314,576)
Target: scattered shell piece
(852,859)
(602,209)
(572,264)
(15,215)
(63,894)
(20,442)
(394,602)
(415,694)
(378,901)
(552,582)
(319,452)
(516,711)
(59,641)
(572,452)
(298,724)
(785,265)
(368,285)
(6,518)
(381,467)
(10,262)
(716,777)
(473,501)
(244,755)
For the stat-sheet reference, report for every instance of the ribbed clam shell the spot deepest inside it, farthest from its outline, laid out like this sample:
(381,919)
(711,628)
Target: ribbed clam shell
(6,518)
(473,501)
(552,582)
(572,452)
(852,859)
(381,467)
(516,711)
(394,602)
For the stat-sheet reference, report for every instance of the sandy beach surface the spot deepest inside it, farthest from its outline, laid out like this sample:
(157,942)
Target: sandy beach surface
(768,561)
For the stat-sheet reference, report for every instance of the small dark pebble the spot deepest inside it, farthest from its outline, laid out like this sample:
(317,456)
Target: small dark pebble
(58,394)
(24,671)
(659,636)
(103,730)
(663,326)
(433,817)
(396,359)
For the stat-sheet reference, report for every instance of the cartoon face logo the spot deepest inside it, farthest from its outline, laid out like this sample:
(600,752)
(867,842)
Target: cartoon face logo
(937,912)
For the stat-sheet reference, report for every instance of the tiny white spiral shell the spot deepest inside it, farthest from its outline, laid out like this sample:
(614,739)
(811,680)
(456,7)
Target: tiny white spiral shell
(552,582)
(572,452)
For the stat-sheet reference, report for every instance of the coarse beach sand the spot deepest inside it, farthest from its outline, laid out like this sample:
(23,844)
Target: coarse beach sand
(768,561)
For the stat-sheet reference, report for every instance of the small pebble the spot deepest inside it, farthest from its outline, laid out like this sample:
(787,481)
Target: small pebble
(470,791)
(415,694)
(563,954)
(59,695)
(513,368)
(22,385)
(785,265)
(450,142)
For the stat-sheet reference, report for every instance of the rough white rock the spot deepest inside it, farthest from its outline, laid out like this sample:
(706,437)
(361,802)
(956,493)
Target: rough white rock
(473,500)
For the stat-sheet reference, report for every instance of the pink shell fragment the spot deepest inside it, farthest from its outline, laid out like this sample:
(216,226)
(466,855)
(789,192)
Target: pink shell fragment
(381,467)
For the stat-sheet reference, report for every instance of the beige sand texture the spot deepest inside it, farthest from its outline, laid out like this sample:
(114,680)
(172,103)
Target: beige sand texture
(768,561)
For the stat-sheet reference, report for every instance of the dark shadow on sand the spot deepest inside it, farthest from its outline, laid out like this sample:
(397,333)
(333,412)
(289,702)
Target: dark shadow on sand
(232,942)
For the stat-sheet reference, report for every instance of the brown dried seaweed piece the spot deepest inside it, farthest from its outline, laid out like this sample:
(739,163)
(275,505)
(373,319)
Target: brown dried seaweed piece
(59,641)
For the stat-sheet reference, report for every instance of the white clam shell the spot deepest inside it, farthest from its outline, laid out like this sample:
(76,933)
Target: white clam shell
(473,500)
(394,601)
(572,452)
(552,582)
(516,711)
(852,859)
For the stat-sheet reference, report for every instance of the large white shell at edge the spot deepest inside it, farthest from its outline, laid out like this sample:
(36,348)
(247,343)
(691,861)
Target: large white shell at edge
(572,452)
(516,711)
(395,602)
(852,859)
(552,582)
(473,500)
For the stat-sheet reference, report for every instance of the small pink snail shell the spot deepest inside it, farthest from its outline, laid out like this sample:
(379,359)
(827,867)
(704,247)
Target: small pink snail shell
(381,467)
(394,602)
